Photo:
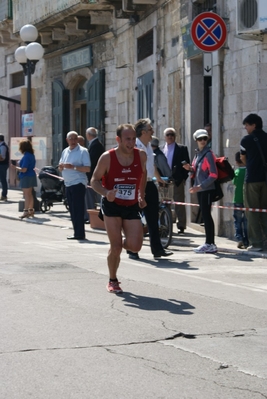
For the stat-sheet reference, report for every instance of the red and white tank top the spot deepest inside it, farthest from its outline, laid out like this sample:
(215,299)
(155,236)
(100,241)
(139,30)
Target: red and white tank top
(125,179)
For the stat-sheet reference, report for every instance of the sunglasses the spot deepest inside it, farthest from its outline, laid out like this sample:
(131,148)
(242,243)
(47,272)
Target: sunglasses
(170,135)
(202,138)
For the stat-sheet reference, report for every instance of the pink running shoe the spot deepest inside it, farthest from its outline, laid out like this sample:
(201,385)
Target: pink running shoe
(113,287)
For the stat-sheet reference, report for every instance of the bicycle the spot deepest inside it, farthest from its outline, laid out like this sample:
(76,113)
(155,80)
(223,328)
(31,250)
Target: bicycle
(165,220)
(165,214)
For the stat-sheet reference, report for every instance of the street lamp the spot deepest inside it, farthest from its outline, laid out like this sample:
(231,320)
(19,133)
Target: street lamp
(28,56)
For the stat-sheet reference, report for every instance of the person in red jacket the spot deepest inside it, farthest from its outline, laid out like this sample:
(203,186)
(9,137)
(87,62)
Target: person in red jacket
(204,173)
(120,177)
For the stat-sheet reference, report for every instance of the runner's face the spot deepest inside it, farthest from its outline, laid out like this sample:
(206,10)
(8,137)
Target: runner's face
(127,140)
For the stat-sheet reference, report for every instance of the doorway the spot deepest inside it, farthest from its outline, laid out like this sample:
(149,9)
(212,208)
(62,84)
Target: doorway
(80,108)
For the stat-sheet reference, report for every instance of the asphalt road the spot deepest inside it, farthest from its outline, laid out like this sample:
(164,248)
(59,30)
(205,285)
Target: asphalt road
(191,326)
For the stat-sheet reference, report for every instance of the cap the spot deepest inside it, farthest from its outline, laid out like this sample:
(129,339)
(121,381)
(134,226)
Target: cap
(155,141)
(200,133)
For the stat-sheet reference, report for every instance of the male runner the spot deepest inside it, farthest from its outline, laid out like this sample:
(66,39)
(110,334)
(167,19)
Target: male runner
(120,177)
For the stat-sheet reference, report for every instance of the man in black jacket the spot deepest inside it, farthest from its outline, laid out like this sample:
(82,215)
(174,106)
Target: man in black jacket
(255,184)
(4,164)
(176,154)
(95,149)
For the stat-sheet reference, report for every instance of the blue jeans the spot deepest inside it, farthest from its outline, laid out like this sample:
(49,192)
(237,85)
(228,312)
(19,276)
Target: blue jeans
(3,172)
(240,223)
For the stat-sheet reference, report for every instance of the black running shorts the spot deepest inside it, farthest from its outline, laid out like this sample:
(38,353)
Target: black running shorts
(111,209)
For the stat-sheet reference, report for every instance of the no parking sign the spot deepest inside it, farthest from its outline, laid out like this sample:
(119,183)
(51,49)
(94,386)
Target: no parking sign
(208,31)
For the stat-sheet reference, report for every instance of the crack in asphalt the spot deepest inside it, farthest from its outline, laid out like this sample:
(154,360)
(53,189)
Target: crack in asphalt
(178,335)
(230,334)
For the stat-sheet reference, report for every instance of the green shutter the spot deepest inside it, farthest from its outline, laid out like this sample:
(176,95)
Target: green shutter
(60,119)
(96,103)
(145,96)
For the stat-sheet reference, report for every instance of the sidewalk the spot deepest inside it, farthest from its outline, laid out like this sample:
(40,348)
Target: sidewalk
(58,216)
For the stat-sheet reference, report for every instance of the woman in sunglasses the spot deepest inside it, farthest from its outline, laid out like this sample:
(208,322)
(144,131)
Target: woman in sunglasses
(204,173)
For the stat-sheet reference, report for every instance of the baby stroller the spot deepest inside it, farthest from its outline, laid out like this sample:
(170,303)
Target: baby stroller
(52,189)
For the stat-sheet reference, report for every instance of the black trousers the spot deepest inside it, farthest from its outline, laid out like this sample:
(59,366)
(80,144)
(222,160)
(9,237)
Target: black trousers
(204,200)
(151,212)
(76,199)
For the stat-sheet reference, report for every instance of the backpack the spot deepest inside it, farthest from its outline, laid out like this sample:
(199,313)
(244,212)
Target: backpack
(225,174)
(225,170)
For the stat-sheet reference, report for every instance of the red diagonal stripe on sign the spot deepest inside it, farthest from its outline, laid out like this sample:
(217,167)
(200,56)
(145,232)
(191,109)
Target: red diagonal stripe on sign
(209,31)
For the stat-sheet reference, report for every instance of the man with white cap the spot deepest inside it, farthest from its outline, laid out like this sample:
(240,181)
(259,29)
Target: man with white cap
(204,173)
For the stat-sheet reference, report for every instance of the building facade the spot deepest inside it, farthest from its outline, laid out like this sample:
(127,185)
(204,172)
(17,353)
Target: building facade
(112,62)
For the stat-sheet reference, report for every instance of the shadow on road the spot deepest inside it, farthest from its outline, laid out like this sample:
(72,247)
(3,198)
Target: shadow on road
(157,304)
(170,263)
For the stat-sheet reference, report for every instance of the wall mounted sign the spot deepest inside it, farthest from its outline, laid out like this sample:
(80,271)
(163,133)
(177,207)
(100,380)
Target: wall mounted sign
(208,31)
(190,49)
(77,59)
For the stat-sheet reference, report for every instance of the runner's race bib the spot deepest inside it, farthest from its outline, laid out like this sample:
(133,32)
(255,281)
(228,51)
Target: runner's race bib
(125,191)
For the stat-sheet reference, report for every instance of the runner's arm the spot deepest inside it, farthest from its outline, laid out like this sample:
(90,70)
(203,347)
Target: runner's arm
(101,169)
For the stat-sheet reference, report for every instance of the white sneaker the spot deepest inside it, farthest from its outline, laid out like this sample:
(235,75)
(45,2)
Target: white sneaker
(206,249)
(213,249)
(254,249)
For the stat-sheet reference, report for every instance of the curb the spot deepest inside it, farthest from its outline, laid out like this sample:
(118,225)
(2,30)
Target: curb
(96,231)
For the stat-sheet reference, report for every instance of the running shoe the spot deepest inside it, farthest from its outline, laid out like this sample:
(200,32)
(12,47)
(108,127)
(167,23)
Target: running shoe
(113,287)
(206,249)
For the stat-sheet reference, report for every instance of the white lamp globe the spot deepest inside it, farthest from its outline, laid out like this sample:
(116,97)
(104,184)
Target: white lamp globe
(28,33)
(20,55)
(34,51)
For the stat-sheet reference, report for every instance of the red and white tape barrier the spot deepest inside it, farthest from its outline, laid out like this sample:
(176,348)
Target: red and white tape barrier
(182,203)
(217,206)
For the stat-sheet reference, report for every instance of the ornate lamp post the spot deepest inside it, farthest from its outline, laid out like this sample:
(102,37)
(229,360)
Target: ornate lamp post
(28,56)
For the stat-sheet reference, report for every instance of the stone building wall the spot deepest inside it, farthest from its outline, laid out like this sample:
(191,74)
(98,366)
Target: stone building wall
(3,92)
(245,92)
(239,81)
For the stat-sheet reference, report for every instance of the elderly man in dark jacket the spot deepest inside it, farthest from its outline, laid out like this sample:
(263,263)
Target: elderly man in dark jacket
(95,149)
(176,154)
(4,164)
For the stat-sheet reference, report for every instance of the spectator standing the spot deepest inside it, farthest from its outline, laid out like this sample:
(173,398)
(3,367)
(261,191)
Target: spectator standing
(81,141)
(120,177)
(204,173)
(144,133)
(4,164)
(160,159)
(74,164)
(255,186)
(176,154)
(240,220)
(27,176)
(96,149)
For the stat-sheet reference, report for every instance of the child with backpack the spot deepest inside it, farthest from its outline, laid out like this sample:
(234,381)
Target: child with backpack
(240,220)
